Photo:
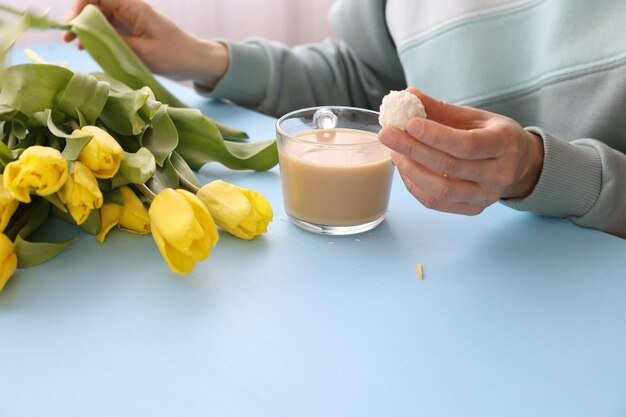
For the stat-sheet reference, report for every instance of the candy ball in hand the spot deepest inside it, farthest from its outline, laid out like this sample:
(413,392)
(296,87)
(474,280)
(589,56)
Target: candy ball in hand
(398,107)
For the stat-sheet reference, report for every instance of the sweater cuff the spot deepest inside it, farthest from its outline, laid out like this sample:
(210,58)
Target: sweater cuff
(245,79)
(569,183)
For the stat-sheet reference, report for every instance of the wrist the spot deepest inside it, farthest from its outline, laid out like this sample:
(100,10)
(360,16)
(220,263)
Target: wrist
(531,168)
(209,64)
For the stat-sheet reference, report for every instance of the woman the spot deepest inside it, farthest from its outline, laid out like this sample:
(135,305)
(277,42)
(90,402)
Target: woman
(532,81)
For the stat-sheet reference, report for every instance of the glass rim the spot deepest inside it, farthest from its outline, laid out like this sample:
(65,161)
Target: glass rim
(314,109)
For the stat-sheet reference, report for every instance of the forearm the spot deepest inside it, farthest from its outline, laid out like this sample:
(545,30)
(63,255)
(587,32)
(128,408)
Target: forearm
(357,71)
(274,79)
(202,61)
(581,180)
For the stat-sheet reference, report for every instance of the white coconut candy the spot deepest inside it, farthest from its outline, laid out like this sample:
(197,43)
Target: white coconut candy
(398,107)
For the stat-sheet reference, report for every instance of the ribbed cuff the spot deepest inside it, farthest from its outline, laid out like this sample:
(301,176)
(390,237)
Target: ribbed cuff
(245,80)
(569,183)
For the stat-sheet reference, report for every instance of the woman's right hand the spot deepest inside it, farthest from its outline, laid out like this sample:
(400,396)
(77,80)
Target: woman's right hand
(164,47)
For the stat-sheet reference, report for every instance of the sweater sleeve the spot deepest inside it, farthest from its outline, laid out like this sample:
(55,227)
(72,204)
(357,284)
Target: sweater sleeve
(357,70)
(583,180)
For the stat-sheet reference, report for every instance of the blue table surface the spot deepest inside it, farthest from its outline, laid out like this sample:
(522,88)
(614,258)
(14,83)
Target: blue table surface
(517,315)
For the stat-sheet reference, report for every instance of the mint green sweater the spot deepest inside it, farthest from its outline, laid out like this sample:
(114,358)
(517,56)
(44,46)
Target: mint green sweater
(558,67)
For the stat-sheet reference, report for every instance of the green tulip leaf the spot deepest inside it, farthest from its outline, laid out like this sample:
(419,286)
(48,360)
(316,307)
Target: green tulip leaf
(136,168)
(82,121)
(164,177)
(35,253)
(56,202)
(115,57)
(199,142)
(31,88)
(230,133)
(10,32)
(161,138)
(74,143)
(92,225)
(37,213)
(113,196)
(121,111)
(84,96)
(18,129)
(6,155)
(7,113)
(183,169)
(114,84)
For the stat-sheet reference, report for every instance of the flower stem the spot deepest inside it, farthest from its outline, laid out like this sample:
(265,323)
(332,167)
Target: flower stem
(42,20)
(20,222)
(12,140)
(11,10)
(187,184)
(146,191)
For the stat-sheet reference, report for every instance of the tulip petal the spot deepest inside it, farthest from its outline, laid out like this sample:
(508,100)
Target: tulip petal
(110,215)
(39,167)
(8,260)
(134,216)
(178,262)
(183,229)
(240,211)
(103,154)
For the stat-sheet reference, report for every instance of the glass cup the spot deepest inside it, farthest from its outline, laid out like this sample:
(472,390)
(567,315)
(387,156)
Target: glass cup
(335,173)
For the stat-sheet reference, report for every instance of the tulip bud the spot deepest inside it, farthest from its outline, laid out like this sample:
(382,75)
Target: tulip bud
(132,216)
(103,154)
(182,228)
(81,193)
(244,213)
(38,167)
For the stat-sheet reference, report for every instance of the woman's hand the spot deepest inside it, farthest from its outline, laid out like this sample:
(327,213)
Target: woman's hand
(461,159)
(164,47)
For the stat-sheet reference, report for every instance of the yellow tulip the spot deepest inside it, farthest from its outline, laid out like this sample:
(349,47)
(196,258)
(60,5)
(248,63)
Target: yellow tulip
(110,214)
(8,260)
(135,215)
(8,205)
(40,168)
(244,213)
(103,154)
(132,216)
(81,193)
(183,229)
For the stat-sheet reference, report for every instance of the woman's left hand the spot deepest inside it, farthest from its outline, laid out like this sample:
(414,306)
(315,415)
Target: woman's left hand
(462,159)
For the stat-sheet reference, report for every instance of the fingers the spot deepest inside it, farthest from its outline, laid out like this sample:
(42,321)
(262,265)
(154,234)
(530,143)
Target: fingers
(74,11)
(434,203)
(78,6)
(457,160)
(439,162)
(444,189)
(449,114)
(464,132)
(481,143)
(121,13)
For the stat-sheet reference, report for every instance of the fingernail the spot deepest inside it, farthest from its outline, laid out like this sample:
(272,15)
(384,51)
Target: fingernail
(395,157)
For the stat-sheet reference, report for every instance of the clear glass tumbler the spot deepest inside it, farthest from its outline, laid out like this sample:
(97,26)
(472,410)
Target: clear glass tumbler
(335,173)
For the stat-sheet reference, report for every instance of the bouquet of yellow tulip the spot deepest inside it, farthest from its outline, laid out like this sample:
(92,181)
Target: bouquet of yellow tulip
(113,149)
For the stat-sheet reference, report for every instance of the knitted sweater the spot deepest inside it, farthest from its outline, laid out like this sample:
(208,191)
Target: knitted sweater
(558,67)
